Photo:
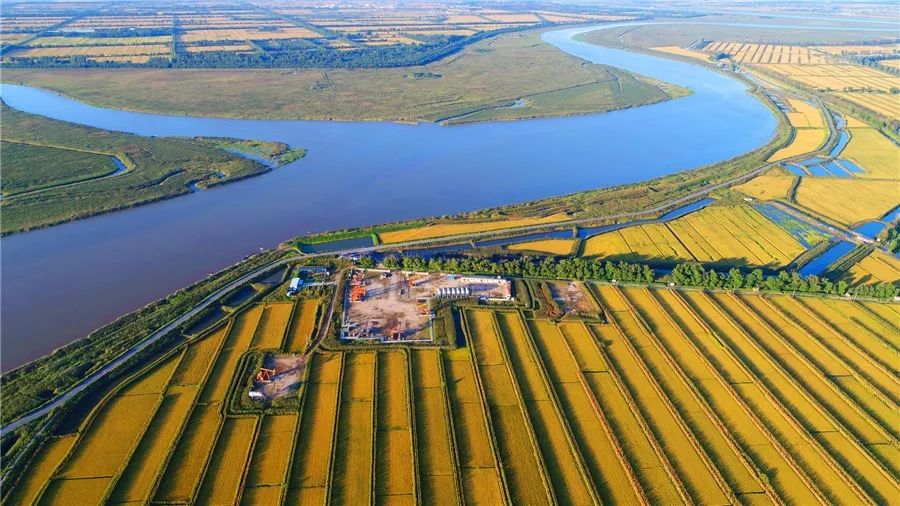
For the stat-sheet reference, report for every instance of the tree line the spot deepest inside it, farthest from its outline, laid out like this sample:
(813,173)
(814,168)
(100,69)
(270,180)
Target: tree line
(690,274)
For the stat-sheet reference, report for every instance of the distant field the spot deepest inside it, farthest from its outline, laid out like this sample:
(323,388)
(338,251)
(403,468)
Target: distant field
(441,230)
(728,235)
(848,201)
(809,131)
(282,35)
(645,406)
(876,267)
(771,185)
(517,66)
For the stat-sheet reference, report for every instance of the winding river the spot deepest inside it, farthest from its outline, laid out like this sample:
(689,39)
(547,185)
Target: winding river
(61,282)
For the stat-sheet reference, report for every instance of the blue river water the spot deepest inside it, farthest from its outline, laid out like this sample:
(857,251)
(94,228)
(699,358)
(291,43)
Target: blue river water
(354,174)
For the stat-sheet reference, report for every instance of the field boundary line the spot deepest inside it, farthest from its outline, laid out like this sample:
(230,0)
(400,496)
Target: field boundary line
(287,328)
(245,469)
(704,404)
(814,400)
(654,383)
(751,415)
(489,425)
(531,349)
(738,357)
(624,461)
(373,424)
(877,316)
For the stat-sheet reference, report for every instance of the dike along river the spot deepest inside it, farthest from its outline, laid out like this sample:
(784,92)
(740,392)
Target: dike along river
(60,283)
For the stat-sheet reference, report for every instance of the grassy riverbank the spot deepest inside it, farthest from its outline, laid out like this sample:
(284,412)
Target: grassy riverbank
(74,161)
(483,79)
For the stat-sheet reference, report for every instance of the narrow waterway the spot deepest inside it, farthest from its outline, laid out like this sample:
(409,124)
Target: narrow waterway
(60,283)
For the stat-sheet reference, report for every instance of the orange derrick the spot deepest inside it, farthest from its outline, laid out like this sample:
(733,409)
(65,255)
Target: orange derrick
(422,308)
(357,293)
(265,375)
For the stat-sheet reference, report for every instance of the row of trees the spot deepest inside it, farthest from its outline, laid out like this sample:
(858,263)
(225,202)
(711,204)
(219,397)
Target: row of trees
(686,274)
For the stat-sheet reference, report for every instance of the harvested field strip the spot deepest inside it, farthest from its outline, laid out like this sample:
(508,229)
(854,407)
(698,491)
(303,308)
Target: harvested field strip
(81,491)
(352,468)
(564,464)
(711,433)
(185,468)
(701,479)
(694,348)
(842,407)
(447,229)
(395,468)
(312,456)
(223,480)
(106,445)
(273,451)
(237,342)
(302,324)
(519,455)
(44,464)
(869,334)
(612,477)
(434,439)
(856,360)
(272,324)
(658,484)
(782,373)
(823,470)
(481,481)
(146,464)
(199,357)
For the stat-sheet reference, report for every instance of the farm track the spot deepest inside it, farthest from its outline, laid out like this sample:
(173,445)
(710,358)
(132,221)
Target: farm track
(681,397)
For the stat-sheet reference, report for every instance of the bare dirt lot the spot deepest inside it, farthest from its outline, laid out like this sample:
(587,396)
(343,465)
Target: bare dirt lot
(288,374)
(393,305)
(571,298)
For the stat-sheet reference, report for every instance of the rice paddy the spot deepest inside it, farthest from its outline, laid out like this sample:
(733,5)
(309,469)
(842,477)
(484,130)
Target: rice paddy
(809,131)
(728,235)
(772,185)
(448,229)
(678,397)
(848,201)
(874,152)
(550,246)
(876,267)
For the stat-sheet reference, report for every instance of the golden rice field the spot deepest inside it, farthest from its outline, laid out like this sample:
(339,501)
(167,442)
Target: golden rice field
(731,235)
(848,201)
(876,267)
(680,51)
(769,186)
(891,63)
(550,246)
(56,41)
(875,153)
(809,131)
(448,229)
(92,51)
(883,103)
(767,53)
(243,34)
(679,397)
(859,49)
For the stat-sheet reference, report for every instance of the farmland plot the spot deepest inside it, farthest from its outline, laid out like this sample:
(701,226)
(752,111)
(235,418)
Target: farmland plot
(519,457)
(434,440)
(186,465)
(272,323)
(310,473)
(271,458)
(353,451)
(238,341)
(840,200)
(564,464)
(301,328)
(224,478)
(47,459)
(394,464)
(612,477)
(480,474)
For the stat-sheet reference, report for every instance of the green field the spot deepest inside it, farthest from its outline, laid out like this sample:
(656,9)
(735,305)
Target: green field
(157,168)
(486,75)
(28,167)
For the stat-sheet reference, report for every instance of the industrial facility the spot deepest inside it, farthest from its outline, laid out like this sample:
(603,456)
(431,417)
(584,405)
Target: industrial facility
(395,306)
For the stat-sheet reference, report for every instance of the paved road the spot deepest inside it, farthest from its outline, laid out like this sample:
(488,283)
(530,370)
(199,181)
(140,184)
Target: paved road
(155,336)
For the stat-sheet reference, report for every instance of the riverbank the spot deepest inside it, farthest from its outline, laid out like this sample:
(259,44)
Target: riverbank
(482,79)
